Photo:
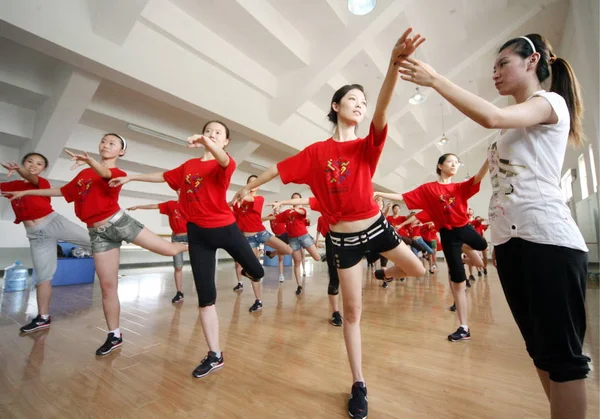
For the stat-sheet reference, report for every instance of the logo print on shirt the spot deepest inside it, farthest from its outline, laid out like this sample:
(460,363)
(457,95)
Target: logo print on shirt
(193,184)
(337,170)
(448,203)
(84,186)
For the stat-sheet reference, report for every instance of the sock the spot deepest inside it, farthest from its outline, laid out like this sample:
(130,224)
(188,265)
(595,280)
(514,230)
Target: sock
(464,326)
(218,354)
(240,283)
(117,332)
(44,316)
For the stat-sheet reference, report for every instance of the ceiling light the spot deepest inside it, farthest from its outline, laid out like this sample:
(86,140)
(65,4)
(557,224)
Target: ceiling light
(443,140)
(157,134)
(361,7)
(417,98)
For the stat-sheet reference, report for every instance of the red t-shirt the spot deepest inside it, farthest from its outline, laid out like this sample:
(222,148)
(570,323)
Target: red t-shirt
(478,226)
(94,199)
(339,175)
(249,215)
(177,221)
(428,232)
(396,221)
(322,224)
(446,204)
(278,228)
(29,207)
(295,222)
(203,189)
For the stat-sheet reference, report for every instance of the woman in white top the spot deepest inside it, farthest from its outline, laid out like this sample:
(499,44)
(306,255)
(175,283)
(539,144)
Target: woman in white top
(528,219)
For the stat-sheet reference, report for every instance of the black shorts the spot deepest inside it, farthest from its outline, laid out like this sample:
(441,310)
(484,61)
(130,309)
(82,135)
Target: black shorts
(350,248)
(545,288)
(452,241)
(284,238)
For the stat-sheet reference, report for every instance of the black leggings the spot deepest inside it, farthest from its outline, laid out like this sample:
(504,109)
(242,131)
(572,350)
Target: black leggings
(203,245)
(452,241)
(334,279)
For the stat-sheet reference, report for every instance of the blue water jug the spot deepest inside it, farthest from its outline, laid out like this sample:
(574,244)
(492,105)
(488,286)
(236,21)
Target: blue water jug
(15,277)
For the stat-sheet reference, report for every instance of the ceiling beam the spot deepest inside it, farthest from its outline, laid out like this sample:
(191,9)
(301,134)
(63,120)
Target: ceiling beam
(113,20)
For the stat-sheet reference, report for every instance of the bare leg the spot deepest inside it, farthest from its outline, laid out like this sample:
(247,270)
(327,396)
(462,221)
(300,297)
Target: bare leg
(210,327)
(351,287)
(178,274)
(460,299)
(150,241)
(297,256)
(107,269)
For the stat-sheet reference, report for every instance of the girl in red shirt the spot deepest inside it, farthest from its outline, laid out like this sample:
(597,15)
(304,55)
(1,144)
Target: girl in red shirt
(178,226)
(280,231)
(339,172)
(203,184)
(480,225)
(44,229)
(96,204)
(446,203)
(248,217)
(295,221)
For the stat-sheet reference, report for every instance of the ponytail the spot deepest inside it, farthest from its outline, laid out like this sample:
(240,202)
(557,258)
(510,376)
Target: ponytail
(565,84)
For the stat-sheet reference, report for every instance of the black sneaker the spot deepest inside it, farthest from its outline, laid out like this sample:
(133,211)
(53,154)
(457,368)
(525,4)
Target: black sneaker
(460,334)
(485,271)
(471,278)
(385,284)
(299,290)
(251,278)
(453,307)
(239,287)
(37,324)
(208,364)
(336,318)
(178,298)
(478,273)
(323,257)
(271,254)
(468,284)
(256,306)
(357,405)
(111,343)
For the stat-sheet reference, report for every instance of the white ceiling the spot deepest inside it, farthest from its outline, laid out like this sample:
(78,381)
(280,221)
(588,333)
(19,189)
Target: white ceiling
(72,70)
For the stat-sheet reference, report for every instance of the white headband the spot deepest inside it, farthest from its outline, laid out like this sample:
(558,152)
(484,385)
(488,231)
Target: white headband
(122,139)
(530,42)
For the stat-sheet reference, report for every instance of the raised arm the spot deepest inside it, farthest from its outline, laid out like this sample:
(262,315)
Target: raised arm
(269,218)
(82,159)
(390,196)
(295,201)
(409,220)
(156,177)
(33,192)
(404,47)
(211,145)
(147,206)
(482,171)
(531,112)
(14,167)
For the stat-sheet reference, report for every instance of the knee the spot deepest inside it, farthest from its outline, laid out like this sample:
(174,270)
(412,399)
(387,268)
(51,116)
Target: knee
(563,370)
(178,269)
(416,270)
(287,250)
(352,312)
(108,287)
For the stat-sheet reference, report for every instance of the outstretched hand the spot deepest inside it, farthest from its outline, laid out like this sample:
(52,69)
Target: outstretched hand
(196,141)
(14,195)
(119,181)
(240,195)
(79,159)
(417,72)
(11,166)
(405,46)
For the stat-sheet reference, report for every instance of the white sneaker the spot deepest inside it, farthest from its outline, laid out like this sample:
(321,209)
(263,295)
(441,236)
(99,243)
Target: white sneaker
(281,278)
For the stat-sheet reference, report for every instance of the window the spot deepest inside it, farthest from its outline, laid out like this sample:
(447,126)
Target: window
(566,186)
(593,169)
(582,174)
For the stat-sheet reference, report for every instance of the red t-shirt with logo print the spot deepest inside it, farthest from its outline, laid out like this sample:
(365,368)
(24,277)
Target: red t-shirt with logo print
(203,191)
(295,222)
(339,175)
(248,215)
(29,207)
(428,232)
(94,199)
(278,228)
(446,204)
(177,221)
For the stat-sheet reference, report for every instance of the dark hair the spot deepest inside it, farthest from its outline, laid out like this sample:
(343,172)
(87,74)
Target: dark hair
(250,177)
(123,143)
(337,97)
(395,205)
(441,160)
(564,81)
(296,193)
(26,156)
(217,122)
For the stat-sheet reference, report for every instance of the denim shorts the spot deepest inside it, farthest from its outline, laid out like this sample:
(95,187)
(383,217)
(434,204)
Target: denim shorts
(302,242)
(178,259)
(121,227)
(258,239)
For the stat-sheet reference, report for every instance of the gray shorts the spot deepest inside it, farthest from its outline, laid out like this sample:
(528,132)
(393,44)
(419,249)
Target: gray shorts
(258,239)
(178,259)
(121,227)
(301,242)
(43,239)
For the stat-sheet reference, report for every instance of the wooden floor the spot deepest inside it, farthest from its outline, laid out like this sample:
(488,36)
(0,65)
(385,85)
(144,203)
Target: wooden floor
(283,362)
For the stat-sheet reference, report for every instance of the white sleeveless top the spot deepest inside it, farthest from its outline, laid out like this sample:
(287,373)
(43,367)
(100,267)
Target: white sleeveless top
(525,169)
